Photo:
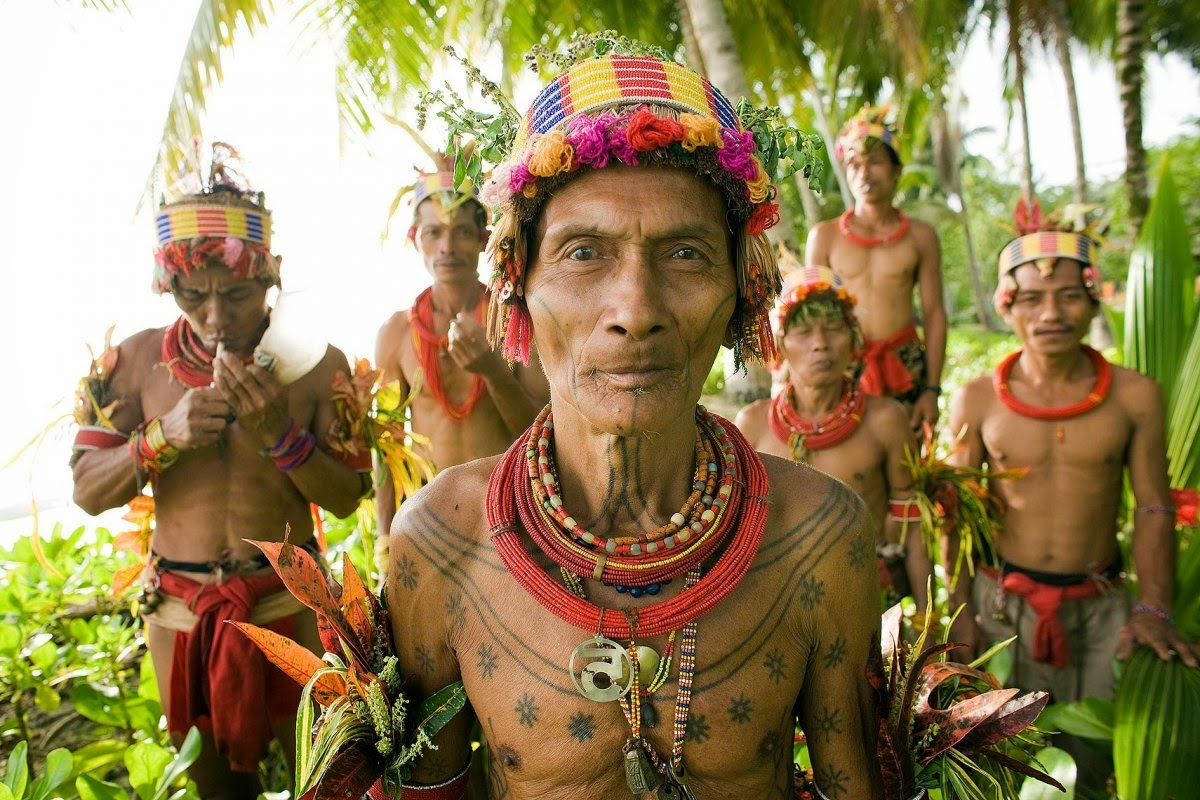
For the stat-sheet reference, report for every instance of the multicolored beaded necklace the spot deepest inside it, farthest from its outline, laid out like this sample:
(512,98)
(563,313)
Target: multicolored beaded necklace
(1104,373)
(514,505)
(873,241)
(803,436)
(185,356)
(431,347)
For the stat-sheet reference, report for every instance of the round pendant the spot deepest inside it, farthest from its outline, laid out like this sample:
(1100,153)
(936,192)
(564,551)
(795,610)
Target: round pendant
(600,670)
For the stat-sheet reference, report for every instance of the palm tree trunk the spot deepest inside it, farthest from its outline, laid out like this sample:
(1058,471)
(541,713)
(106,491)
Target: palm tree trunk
(691,47)
(1131,38)
(808,201)
(723,66)
(1062,46)
(1016,51)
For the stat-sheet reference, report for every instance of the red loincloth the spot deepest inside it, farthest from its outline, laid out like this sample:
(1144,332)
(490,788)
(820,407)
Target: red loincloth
(1049,645)
(220,680)
(883,371)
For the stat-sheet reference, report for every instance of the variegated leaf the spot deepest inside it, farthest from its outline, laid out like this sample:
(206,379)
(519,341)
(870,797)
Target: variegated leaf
(296,661)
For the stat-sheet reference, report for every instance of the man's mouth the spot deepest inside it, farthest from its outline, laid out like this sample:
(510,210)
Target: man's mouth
(634,377)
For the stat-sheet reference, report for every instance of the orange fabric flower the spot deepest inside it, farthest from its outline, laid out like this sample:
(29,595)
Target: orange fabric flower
(647,132)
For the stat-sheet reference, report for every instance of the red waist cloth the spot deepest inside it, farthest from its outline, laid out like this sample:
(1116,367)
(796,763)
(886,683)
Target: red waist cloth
(1049,639)
(220,681)
(883,371)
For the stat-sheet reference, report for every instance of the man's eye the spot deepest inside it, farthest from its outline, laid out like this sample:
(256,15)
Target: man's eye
(685,253)
(584,253)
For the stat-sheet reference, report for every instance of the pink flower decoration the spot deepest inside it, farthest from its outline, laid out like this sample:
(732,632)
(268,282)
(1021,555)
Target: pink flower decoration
(619,146)
(519,178)
(735,155)
(233,249)
(497,189)
(589,136)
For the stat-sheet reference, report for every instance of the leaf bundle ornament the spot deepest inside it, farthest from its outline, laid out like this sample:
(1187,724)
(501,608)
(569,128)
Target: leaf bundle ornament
(363,739)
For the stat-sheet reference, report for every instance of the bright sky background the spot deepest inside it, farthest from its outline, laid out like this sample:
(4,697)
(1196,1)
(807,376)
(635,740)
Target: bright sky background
(82,100)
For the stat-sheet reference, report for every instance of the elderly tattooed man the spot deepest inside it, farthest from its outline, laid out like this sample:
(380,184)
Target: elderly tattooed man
(643,606)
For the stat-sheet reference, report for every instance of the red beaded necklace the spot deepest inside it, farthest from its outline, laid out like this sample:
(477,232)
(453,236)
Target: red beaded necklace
(803,436)
(184,355)
(512,507)
(872,241)
(430,347)
(1094,398)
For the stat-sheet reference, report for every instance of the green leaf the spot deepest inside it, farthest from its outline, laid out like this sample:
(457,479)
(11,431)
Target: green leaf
(6,793)
(97,758)
(58,769)
(146,761)
(90,788)
(1059,765)
(47,699)
(44,654)
(16,774)
(1156,731)
(187,755)
(96,706)
(1090,718)
(1160,299)
(441,707)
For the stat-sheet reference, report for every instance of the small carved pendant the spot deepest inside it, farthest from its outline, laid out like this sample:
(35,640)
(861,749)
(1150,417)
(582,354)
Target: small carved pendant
(673,787)
(601,670)
(649,715)
(639,772)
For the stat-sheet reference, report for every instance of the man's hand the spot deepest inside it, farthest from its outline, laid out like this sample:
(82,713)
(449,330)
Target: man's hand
(925,410)
(1158,634)
(196,420)
(468,345)
(254,395)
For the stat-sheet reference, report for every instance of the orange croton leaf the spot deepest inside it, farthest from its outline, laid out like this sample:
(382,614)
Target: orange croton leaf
(296,661)
(124,578)
(305,580)
(954,723)
(139,507)
(354,603)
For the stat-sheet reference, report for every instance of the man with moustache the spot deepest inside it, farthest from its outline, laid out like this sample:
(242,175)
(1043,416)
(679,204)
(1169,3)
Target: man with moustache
(1078,425)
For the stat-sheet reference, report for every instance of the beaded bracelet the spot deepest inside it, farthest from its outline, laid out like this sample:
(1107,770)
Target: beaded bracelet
(150,448)
(1155,510)
(293,448)
(453,789)
(904,510)
(1155,611)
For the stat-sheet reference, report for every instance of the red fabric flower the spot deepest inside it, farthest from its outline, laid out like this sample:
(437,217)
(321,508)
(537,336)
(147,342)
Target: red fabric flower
(765,215)
(1186,502)
(647,132)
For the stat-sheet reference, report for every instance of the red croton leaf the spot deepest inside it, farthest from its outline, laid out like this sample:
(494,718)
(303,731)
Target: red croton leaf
(351,774)
(1009,720)
(956,722)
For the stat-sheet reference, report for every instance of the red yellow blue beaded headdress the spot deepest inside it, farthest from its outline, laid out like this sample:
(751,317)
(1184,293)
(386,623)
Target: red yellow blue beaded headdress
(869,125)
(221,220)
(635,107)
(1041,244)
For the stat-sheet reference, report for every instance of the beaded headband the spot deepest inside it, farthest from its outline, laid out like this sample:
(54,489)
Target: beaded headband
(807,283)
(870,123)
(224,221)
(432,183)
(1043,248)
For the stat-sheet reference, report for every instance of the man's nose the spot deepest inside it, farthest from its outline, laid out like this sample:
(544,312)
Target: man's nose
(636,298)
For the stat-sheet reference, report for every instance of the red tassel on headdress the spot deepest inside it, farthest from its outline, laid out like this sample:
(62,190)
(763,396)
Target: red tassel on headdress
(518,335)
(1027,216)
